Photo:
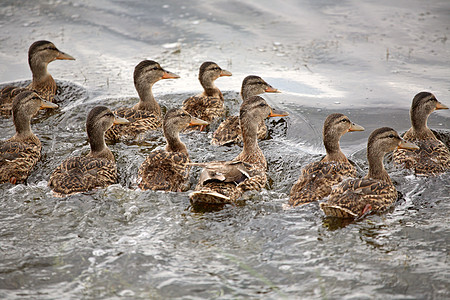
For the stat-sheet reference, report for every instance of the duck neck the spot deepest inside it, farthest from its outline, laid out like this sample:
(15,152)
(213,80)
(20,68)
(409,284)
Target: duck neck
(376,166)
(97,142)
(334,153)
(40,74)
(211,90)
(146,100)
(22,122)
(174,144)
(251,153)
(420,128)
(247,93)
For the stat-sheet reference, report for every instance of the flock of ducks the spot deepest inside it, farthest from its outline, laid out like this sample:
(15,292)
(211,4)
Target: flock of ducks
(333,178)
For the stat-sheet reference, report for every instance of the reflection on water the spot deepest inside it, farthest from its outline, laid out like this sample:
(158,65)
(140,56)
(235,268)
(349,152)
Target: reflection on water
(363,59)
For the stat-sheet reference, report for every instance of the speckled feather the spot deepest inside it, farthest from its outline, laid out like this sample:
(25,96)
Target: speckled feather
(349,199)
(164,170)
(17,159)
(229,131)
(204,107)
(141,121)
(318,179)
(81,174)
(432,158)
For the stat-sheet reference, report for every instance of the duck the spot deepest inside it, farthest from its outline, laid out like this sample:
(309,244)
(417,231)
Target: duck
(433,157)
(208,105)
(95,170)
(229,131)
(20,153)
(40,54)
(355,198)
(223,182)
(146,114)
(167,169)
(318,178)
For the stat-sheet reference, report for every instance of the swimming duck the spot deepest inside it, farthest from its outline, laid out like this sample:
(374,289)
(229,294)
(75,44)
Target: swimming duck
(20,153)
(167,169)
(224,181)
(354,198)
(146,114)
(40,54)
(433,157)
(98,168)
(319,177)
(208,105)
(229,131)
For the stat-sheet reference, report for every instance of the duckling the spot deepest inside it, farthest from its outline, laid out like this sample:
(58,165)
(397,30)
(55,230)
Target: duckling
(20,153)
(98,168)
(319,177)
(354,198)
(208,105)
(146,114)
(167,169)
(40,54)
(433,157)
(223,182)
(229,131)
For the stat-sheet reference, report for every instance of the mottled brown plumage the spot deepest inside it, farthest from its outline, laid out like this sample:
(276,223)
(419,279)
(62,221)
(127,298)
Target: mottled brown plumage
(229,131)
(433,157)
(375,192)
(40,54)
(168,169)
(318,178)
(224,182)
(208,105)
(98,168)
(20,153)
(146,114)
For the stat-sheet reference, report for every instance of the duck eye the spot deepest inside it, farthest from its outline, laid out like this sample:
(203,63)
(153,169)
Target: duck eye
(391,136)
(183,115)
(262,104)
(344,120)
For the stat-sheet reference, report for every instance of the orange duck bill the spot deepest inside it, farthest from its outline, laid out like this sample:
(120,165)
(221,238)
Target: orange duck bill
(169,75)
(355,127)
(278,113)
(64,56)
(439,105)
(407,145)
(225,73)
(196,121)
(270,89)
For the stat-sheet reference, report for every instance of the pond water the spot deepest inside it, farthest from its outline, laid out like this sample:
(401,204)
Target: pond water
(366,59)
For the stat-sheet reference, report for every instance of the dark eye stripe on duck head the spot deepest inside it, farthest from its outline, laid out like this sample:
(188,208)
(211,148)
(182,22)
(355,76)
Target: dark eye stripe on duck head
(145,66)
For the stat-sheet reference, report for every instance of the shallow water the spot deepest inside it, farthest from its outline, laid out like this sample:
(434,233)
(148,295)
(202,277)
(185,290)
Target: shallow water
(364,59)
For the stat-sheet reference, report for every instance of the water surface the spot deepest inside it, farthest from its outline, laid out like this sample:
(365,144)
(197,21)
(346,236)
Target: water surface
(365,59)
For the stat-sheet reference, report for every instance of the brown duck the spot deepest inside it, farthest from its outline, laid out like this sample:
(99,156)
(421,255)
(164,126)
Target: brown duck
(208,105)
(20,153)
(167,169)
(318,178)
(146,114)
(40,54)
(375,192)
(229,131)
(433,157)
(95,170)
(223,182)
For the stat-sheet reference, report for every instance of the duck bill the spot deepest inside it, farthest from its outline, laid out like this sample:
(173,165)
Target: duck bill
(278,113)
(48,104)
(407,145)
(439,105)
(270,89)
(225,73)
(196,121)
(119,120)
(355,127)
(169,75)
(64,56)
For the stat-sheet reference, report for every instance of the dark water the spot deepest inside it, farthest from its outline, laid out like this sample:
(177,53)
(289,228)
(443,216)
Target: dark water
(362,58)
